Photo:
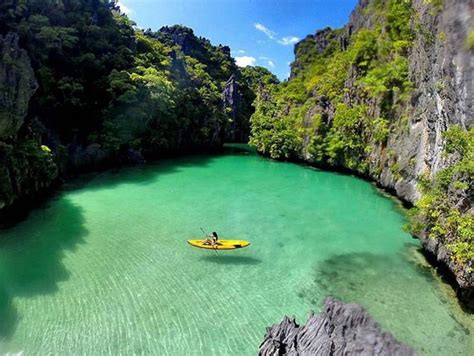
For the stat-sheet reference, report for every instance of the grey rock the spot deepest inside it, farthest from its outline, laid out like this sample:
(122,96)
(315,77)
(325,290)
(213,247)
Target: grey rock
(231,100)
(442,71)
(231,96)
(340,329)
(17,85)
(359,18)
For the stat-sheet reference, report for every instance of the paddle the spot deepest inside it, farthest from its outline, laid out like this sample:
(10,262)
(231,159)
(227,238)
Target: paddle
(215,246)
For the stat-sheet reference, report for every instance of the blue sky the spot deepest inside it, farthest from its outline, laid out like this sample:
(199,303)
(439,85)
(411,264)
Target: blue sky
(259,32)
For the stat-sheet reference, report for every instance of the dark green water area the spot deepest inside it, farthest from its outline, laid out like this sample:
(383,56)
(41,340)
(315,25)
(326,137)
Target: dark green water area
(104,268)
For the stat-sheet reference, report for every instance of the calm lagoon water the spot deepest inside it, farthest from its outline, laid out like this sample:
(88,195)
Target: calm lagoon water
(104,267)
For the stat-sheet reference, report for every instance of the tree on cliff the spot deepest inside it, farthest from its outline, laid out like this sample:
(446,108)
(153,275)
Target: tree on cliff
(108,92)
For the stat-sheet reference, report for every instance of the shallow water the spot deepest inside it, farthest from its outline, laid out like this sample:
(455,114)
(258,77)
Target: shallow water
(104,268)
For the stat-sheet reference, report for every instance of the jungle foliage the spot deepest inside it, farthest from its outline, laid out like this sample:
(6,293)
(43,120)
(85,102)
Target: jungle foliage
(293,117)
(110,93)
(104,81)
(346,94)
(443,211)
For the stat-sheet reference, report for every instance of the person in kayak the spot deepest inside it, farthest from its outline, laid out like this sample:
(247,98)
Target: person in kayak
(212,239)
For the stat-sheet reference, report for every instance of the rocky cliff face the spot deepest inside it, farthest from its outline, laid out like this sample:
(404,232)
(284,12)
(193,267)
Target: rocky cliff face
(442,72)
(340,329)
(18,84)
(441,69)
(231,100)
(25,166)
(379,97)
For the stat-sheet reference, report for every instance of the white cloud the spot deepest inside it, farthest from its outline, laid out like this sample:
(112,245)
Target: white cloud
(241,51)
(126,10)
(269,33)
(285,41)
(288,40)
(263,58)
(271,64)
(245,61)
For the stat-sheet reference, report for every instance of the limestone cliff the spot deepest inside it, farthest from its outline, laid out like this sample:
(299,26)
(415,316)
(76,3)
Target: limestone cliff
(441,68)
(26,167)
(378,97)
(18,84)
(71,102)
(442,72)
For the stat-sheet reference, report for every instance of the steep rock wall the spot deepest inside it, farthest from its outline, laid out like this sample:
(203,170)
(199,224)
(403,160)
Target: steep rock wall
(26,167)
(441,68)
(380,97)
(442,73)
(17,83)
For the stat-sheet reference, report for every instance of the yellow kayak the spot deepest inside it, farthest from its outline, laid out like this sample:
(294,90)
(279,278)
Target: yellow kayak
(221,244)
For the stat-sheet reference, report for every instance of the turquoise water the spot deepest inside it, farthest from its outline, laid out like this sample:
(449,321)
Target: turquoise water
(104,268)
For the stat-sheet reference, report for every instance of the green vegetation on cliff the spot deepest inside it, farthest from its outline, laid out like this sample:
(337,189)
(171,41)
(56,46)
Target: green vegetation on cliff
(33,163)
(443,213)
(99,77)
(313,110)
(350,102)
(111,93)
(470,40)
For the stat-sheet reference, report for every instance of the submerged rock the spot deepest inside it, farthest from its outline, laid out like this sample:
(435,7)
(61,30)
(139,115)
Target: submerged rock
(340,329)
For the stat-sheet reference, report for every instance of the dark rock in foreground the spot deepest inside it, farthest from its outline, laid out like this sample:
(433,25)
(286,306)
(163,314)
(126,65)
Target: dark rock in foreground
(340,329)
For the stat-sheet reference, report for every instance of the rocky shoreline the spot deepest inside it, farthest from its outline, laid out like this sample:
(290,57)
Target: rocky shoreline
(340,329)
(439,68)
